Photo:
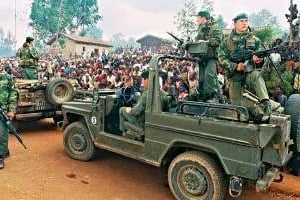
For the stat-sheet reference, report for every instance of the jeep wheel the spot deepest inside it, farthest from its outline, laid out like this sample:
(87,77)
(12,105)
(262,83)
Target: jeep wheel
(59,90)
(194,175)
(77,142)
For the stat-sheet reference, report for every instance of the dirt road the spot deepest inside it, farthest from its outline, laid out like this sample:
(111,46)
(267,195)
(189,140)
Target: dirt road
(44,172)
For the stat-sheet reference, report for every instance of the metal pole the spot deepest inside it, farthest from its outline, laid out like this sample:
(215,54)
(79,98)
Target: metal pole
(15,42)
(58,23)
(291,23)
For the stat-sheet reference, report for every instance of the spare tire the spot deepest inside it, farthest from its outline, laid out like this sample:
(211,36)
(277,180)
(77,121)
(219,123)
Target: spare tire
(59,90)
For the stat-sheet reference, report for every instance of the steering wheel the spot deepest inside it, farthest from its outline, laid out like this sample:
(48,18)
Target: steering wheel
(128,95)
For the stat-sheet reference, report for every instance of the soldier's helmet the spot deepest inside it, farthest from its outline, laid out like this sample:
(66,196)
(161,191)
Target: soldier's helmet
(204,13)
(29,39)
(240,16)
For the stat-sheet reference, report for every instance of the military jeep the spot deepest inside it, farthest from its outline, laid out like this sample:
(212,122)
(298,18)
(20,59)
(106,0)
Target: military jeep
(209,148)
(39,99)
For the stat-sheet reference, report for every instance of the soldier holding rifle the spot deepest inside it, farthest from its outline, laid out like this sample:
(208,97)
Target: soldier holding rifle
(244,74)
(8,102)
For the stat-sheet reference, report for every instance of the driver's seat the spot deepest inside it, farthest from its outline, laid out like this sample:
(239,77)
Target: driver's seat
(133,131)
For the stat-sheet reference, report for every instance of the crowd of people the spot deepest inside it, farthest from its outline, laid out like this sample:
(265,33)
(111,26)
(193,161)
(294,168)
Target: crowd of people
(123,67)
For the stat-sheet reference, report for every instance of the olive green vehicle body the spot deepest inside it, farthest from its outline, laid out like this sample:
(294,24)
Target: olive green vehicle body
(242,148)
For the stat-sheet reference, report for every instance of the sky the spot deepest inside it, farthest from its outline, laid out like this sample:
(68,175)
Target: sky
(136,18)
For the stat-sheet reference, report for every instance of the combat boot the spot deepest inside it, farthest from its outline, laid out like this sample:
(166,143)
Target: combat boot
(267,106)
(1,162)
(267,109)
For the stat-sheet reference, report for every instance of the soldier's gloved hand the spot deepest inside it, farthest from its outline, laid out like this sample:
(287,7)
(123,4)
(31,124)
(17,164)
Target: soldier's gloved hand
(240,67)
(257,59)
(128,109)
(10,115)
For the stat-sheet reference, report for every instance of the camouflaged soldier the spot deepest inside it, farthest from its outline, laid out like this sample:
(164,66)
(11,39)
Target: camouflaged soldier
(8,102)
(241,75)
(135,115)
(29,59)
(209,31)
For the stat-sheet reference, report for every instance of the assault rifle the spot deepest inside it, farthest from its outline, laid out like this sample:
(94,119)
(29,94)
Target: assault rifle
(176,38)
(7,123)
(242,55)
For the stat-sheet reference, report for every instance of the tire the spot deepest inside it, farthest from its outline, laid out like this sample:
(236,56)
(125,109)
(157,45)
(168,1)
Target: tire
(59,91)
(199,170)
(78,143)
(293,109)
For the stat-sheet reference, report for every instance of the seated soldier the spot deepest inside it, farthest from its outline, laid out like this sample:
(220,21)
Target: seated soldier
(135,115)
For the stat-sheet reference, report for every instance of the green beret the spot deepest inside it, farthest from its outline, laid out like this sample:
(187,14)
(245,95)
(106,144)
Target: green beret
(145,74)
(203,13)
(240,16)
(29,39)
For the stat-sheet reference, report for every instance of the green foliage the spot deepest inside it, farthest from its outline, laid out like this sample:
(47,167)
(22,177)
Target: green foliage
(266,35)
(263,18)
(185,19)
(208,5)
(273,81)
(220,21)
(92,32)
(51,16)
(7,43)
(286,85)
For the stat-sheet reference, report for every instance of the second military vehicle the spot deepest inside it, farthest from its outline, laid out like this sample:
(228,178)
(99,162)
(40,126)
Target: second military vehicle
(39,99)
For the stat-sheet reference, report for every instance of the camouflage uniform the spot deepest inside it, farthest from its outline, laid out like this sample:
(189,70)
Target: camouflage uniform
(136,115)
(208,81)
(251,78)
(29,58)
(8,102)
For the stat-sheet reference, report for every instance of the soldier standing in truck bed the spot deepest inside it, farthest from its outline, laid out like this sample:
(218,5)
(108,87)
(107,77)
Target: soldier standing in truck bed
(29,59)
(241,75)
(209,31)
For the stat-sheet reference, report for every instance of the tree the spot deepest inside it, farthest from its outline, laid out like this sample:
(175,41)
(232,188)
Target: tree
(7,43)
(48,17)
(208,5)
(119,41)
(92,32)
(266,35)
(263,18)
(220,21)
(185,21)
